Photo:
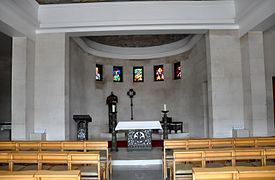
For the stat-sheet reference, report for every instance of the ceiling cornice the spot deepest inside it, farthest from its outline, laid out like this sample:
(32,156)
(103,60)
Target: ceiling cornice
(141,53)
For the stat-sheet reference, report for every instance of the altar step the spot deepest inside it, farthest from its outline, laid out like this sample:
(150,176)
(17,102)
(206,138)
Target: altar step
(137,158)
(137,162)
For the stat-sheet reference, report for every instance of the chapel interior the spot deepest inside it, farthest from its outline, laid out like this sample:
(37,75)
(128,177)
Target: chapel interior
(153,84)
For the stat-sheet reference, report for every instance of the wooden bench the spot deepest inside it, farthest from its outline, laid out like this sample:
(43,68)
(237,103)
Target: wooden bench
(234,173)
(83,146)
(57,175)
(89,160)
(224,173)
(184,161)
(256,172)
(40,175)
(218,158)
(210,143)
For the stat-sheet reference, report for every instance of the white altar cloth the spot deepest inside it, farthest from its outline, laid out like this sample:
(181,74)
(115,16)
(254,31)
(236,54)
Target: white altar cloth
(130,125)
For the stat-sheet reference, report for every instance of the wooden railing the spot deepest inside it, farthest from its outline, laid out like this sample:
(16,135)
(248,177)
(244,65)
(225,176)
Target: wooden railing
(51,159)
(211,143)
(40,175)
(84,146)
(219,158)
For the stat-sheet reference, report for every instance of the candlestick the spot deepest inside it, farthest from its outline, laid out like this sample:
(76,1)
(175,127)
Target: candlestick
(164,107)
(113,108)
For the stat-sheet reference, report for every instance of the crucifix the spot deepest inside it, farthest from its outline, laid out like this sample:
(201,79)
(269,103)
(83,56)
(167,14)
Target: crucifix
(131,93)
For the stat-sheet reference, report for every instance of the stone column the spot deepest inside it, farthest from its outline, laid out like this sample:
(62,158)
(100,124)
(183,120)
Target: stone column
(51,88)
(225,90)
(19,65)
(255,109)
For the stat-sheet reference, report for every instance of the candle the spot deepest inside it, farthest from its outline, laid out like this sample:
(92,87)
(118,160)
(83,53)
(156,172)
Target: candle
(113,108)
(164,107)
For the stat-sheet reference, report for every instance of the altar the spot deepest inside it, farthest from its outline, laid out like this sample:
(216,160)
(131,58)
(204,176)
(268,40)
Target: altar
(139,133)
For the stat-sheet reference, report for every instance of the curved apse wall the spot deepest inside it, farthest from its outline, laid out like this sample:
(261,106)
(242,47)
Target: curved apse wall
(184,97)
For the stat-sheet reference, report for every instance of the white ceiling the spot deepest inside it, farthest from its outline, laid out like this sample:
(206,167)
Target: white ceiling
(27,17)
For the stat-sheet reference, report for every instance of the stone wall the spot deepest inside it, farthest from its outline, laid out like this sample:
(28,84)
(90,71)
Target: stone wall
(269,56)
(184,97)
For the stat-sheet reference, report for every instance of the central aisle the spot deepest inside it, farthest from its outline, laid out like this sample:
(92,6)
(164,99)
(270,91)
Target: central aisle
(137,165)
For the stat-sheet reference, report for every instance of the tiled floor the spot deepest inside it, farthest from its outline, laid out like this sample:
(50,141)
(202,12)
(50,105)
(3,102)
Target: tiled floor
(137,165)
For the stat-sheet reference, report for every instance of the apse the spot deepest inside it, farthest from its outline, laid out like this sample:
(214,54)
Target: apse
(118,59)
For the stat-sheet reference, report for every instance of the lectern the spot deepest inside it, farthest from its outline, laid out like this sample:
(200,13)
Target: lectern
(82,126)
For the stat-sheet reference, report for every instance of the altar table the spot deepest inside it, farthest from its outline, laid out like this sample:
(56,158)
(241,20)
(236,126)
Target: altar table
(139,133)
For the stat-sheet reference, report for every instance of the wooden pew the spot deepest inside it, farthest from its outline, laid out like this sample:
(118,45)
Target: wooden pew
(7,146)
(91,160)
(40,175)
(92,170)
(223,173)
(83,146)
(57,175)
(234,173)
(50,146)
(183,159)
(17,175)
(219,157)
(198,144)
(222,143)
(169,145)
(256,172)
(269,156)
(265,142)
(105,157)
(19,159)
(5,158)
(249,154)
(245,142)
